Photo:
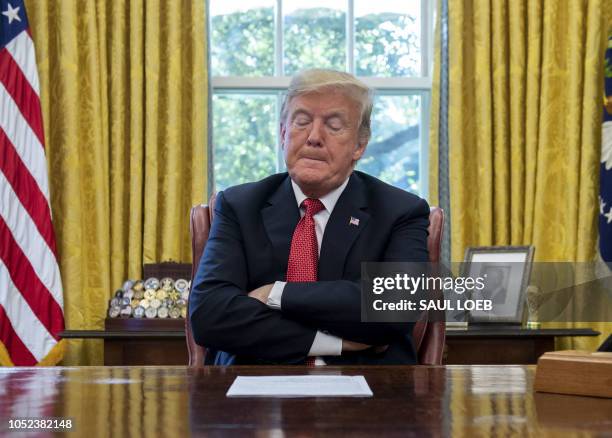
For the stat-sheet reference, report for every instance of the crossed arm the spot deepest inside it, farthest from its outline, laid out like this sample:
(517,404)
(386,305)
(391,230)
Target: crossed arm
(263,293)
(225,317)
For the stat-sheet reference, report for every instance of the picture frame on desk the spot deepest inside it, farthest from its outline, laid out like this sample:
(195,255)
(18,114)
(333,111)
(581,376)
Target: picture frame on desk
(505,272)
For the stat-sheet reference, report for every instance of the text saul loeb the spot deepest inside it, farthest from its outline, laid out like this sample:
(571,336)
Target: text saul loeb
(433,304)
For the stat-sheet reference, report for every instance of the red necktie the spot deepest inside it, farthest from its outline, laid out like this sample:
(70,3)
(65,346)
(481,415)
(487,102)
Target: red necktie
(304,254)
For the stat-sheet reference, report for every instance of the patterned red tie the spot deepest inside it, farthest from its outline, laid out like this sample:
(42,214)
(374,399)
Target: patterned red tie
(304,254)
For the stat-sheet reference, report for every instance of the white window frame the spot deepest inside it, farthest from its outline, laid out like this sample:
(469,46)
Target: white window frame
(401,85)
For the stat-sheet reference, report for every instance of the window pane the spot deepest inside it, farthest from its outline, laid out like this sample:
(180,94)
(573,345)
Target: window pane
(242,37)
(393,152)
(387,38)
(244,138)
(315,34)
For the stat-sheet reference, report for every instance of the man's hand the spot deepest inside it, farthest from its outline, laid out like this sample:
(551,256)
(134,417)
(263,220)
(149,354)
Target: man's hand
(353,346)
(262,293)
(358,346)
(380,348)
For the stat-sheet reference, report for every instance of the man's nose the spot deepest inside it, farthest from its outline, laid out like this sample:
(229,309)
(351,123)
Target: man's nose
(314,137)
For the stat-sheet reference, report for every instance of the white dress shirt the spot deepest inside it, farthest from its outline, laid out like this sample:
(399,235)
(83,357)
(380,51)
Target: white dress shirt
(324,344)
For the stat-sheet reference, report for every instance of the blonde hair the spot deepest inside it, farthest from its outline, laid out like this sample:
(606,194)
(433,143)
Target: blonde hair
(317,80)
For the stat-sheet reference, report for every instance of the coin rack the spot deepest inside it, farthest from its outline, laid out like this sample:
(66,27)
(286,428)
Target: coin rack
(125,313)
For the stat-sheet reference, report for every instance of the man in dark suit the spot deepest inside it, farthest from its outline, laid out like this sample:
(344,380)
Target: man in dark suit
(279,281)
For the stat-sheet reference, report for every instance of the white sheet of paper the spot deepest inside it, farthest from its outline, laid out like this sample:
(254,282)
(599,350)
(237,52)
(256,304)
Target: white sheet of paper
(299,386)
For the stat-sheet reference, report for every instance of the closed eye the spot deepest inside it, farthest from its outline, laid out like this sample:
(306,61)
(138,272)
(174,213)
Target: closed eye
(335,124)
(302,120)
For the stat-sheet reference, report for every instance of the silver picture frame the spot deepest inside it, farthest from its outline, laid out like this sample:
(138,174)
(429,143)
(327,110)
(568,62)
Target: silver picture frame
(506,271)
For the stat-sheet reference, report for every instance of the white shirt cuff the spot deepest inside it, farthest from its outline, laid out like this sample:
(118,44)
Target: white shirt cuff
(326,345)
(274,299)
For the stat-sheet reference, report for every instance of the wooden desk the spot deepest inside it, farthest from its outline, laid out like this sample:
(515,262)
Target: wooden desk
(474,346)
(504,346)
(408,401)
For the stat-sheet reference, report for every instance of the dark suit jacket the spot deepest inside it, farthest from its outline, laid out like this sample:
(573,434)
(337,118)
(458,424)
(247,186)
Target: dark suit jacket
(249,246)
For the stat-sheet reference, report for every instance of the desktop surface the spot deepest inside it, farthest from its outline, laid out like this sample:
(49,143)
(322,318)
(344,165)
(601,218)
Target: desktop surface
(408,401)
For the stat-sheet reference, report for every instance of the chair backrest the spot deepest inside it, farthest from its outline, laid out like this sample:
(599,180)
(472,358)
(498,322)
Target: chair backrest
(428,336)
(199,226)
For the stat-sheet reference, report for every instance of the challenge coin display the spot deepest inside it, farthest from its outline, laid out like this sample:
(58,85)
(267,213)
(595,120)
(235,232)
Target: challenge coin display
(150,298)
(167,284)
(151,283)
(174,313)
(181,285)
(139,312)
(162,312)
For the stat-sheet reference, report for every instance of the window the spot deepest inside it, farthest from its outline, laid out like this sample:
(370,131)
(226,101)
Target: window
(256,47)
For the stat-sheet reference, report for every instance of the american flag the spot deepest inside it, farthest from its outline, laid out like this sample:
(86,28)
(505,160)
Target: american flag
(31,301)
(605,175)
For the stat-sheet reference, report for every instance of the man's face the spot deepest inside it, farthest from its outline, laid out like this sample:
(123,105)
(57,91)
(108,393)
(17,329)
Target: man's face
(320,140)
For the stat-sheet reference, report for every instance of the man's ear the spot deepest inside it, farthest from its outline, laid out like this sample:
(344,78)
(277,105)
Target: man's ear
(359,150)
(283,130)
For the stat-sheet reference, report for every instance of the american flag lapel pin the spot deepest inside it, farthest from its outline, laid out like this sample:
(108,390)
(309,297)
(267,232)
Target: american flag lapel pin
(354,221)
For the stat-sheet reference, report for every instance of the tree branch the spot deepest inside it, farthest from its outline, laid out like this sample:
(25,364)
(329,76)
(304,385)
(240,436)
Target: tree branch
(395,141)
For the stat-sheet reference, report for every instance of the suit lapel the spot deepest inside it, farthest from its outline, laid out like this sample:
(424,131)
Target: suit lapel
(346,222)
(280,216)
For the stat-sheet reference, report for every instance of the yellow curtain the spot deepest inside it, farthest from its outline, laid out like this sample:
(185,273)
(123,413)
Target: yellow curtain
(525,101)
(124,98)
